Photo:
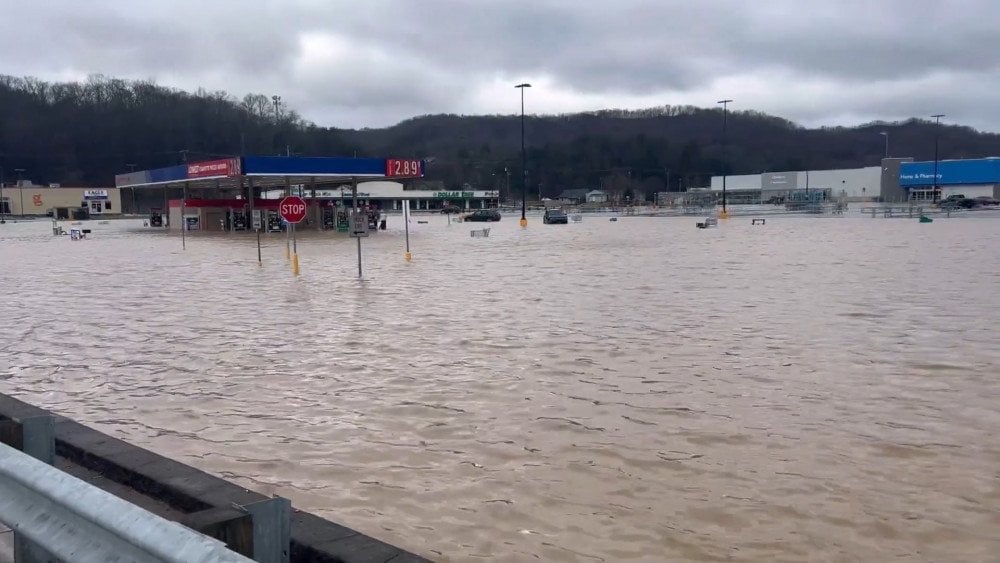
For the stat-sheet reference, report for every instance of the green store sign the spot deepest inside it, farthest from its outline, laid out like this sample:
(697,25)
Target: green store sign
(444,195)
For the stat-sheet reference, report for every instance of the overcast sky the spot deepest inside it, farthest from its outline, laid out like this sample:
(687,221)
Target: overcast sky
(373,63)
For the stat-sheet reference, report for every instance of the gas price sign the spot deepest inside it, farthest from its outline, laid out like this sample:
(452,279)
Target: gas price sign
(403,168)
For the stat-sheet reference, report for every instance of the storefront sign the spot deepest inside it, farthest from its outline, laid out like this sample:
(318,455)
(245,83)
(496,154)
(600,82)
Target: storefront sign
(347,193)
(950,172)
(95,194)
(132,178)
(211,168)
(445,195)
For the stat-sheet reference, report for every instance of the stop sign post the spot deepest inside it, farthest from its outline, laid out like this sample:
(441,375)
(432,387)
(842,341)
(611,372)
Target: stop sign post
(293,210)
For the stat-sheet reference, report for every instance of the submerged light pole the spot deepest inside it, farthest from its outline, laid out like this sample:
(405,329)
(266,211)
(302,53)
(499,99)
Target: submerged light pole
(725,162)
(524,161)
(937,133)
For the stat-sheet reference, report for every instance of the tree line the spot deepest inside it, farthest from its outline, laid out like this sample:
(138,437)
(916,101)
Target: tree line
(83,133)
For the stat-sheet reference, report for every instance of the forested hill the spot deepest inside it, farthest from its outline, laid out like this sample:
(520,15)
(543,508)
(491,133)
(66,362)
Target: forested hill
(85,133)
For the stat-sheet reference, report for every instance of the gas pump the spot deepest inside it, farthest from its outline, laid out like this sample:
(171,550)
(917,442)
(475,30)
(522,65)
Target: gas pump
(343,221)
(274,222)
(236,219)
(329,220)
(372,218)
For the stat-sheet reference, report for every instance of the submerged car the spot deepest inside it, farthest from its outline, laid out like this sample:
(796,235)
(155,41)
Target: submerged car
(483,215)
(959,202)
(555,216)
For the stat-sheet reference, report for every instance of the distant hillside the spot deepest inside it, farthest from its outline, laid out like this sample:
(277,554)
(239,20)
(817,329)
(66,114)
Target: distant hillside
(84,133)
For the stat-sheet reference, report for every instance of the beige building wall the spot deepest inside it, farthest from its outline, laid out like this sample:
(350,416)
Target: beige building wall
(39,200)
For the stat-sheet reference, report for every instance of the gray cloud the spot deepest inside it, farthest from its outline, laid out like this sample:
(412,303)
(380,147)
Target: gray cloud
(370,64)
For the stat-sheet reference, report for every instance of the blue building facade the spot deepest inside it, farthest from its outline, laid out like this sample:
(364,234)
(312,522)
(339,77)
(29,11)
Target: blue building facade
(973,177)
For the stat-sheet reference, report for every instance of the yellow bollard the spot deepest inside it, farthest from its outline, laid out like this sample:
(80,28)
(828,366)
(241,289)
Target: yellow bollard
(295,263)
(524,223)
(723,214)
(407,257)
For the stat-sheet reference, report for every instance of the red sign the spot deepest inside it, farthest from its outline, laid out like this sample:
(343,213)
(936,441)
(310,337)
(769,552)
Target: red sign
(292,209)
(403,168)
(210,168)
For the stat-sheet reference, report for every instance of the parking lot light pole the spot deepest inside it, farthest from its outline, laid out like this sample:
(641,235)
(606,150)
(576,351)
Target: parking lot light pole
(937,134)
(725,112)
(524,161)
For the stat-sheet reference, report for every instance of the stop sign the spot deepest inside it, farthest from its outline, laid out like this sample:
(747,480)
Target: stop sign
(292,209)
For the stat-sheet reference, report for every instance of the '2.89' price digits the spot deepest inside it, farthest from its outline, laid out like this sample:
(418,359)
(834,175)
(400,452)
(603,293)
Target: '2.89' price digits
(402,167)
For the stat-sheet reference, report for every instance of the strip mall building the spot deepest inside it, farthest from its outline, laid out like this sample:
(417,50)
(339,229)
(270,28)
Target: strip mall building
(27,199)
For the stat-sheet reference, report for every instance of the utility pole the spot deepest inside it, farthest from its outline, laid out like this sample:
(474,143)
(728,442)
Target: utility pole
(4,207)
(20,188)
(131,169)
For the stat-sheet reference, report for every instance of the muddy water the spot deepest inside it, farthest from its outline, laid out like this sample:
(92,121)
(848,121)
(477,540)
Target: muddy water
(812,389)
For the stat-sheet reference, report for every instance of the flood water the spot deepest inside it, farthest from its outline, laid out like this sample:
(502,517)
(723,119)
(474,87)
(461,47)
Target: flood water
(817,389)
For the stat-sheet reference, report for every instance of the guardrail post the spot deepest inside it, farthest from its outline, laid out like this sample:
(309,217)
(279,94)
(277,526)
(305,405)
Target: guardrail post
(33,435)
(234,526)
(39,437)
(271,529)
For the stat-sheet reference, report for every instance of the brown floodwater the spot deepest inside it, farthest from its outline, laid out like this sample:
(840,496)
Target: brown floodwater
(817,389)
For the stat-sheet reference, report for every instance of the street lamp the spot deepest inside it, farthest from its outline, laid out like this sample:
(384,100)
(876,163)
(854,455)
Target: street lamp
(937,133)
(20,188)
(725,107)
(524,160)
(886,135)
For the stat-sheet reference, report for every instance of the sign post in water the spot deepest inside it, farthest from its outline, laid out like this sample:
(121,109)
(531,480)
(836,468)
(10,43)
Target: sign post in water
(293,210)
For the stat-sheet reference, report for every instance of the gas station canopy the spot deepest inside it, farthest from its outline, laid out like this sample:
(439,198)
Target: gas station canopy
(271,171)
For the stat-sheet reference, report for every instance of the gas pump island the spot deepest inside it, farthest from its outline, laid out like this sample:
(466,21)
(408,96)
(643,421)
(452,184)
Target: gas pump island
(226,194)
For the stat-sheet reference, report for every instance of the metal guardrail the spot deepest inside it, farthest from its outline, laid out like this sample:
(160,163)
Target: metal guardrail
(72,520)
